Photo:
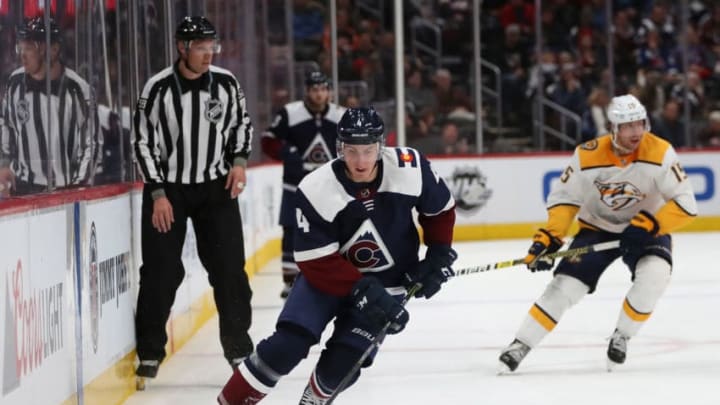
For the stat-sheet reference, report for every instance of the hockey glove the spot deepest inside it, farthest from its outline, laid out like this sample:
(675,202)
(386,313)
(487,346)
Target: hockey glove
(637,236)
(294,171)
(432,271)
(543,243)
(377,307)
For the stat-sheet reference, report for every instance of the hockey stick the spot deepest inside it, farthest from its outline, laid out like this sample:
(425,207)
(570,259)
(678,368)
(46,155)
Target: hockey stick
(375,343)
(598,247)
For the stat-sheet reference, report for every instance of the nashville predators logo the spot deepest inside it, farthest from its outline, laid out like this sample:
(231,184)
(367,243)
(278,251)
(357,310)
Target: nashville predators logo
(619,195)
(213,110)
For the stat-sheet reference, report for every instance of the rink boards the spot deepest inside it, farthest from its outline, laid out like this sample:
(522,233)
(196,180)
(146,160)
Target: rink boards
(69,264)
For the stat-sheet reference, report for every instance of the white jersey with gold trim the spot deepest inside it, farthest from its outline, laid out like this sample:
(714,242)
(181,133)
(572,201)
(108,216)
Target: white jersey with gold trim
(609,190)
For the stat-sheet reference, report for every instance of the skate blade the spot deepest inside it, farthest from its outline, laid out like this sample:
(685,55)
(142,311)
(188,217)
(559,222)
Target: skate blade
(503,369)
(611,365)
(140,383)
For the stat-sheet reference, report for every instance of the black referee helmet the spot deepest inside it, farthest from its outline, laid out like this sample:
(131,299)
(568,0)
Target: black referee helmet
(360,126)
(35,30)
(197,27)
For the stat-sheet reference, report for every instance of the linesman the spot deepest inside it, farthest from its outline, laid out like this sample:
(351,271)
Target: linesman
(192,141)
(46,138)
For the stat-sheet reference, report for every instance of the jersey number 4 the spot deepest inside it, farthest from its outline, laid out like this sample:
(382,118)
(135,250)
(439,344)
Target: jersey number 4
(302,222)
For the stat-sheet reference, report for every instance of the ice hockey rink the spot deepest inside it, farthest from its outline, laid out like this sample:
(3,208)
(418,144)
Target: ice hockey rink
(448,352)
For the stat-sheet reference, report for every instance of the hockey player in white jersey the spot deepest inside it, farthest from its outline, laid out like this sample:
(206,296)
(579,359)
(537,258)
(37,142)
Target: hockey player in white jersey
(357,249)
(627,185)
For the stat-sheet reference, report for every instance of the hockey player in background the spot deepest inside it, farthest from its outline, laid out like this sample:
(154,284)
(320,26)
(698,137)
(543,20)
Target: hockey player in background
(357,249)
(302,136)
(627,185)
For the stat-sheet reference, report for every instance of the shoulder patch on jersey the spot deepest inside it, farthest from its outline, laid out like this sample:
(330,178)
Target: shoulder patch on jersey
(401,176)
(598,156)
(590,145)
(406,157)
(142,102)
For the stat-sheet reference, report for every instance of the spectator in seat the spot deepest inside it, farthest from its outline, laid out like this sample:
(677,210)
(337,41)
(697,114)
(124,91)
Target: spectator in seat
(668,124)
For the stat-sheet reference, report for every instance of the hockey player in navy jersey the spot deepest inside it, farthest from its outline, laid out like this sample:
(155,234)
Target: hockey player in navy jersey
(627,185)
(302,136)
(357,249)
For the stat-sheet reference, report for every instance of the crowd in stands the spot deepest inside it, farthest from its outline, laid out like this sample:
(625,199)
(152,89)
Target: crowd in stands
(650,60)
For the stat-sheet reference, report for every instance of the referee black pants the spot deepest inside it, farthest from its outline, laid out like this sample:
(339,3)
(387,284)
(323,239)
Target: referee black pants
(218,230)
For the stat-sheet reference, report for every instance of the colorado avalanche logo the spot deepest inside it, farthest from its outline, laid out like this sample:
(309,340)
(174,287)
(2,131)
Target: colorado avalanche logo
(318,152)
(366,249)
(619,195)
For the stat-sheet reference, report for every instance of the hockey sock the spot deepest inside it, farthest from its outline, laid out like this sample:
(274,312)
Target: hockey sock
(334,364)
(284,349)
(562,293)
(242,389)
(652,275)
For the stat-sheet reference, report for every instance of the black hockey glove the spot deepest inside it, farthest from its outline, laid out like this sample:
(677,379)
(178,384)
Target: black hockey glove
(543,243)
(637,236)
(377,307)
(294,171)
(432,271)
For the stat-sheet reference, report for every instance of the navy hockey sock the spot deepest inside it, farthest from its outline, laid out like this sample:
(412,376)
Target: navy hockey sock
(334,364)
(282,351)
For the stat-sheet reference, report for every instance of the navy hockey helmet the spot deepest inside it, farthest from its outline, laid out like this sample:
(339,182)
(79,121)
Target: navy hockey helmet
(316,77)
(360,126)
(196,27)
(35,30)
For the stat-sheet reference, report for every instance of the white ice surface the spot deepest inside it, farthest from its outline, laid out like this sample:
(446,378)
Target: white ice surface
(448,353)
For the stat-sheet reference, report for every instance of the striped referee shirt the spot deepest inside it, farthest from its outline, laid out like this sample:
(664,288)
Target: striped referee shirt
(47,149)
(190,131)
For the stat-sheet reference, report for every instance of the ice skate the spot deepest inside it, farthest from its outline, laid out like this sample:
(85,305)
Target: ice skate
(617,350)
(308,398)
(146,369)
(236,362)
(511,357)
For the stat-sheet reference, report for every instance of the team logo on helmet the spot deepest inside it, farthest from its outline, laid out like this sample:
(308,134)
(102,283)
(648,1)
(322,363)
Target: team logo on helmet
(213,110)
(366,249)
(469,188)
(619,195)
(22,110)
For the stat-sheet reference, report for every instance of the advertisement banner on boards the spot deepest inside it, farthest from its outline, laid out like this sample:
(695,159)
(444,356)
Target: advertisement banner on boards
(107,280)
(37,308)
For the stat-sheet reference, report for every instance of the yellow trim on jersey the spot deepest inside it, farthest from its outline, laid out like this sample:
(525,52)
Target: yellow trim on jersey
(634,314)
(651,149)
(542,318)
(671,217)
(560,217)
